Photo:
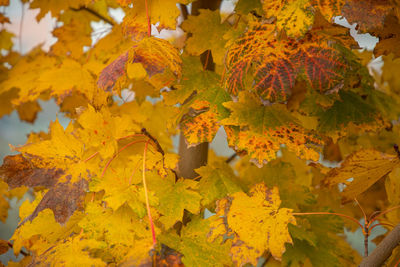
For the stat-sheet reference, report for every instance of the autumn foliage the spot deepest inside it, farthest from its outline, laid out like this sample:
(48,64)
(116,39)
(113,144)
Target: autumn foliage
(292,90)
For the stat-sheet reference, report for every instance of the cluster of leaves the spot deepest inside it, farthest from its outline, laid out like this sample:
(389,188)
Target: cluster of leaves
(290,89)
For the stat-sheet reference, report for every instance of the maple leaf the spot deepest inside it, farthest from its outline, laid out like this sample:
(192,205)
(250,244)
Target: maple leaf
(194,246)
(70,252)
(323,66)
(201,128)
(389,37)
(6,39)
(4,206)
(6,106)
(164,12)
(246,6)
(199,26)
(275,64)
(295,17)
(63,197)
(104,138)
(157,56)
(326,30)
(54,6)
(365,167)
(46,227)
(194,79)
(28,111)
(368,14)
(55,164)
(205,110)
(350,108)
(216,182)
(289,173)
(329,8)
(389,73)
(274,76)
(269,127)
(257,223)
(34,78)
(72,37)
(174,197)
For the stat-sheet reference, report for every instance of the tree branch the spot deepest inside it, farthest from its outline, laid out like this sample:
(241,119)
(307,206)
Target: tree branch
(194,157)
(383,250)
(91,11)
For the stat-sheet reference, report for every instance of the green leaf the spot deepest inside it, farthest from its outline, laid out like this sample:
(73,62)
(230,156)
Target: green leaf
(196,250)
(207,31)
(350,108)
(174,197)
(216,182)
(248,111)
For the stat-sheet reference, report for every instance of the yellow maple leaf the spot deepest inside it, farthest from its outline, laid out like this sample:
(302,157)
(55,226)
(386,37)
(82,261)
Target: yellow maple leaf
(257,223)
(208,23)
(165,12)
(201,128)
(72,37)
(295,17)
(102,130)
(361,170)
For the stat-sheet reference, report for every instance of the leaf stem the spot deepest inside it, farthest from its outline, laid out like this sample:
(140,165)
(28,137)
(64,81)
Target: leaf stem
(206,61)
(148,19)
(153,233)
(376,215)
(92,156)
(119,151)
(362,210)
(380,224)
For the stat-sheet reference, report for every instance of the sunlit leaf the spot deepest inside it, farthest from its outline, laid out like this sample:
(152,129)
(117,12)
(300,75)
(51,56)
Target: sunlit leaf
(361,170)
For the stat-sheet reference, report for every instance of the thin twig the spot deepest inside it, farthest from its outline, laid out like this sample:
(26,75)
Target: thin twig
(380,224)
(382,213)
(119,151)
(206,61)
(91,11)
(21,251)
(184,11)
(232,157)
(21,27)
(92,156)
(153,233)
(155,141)
(362,210)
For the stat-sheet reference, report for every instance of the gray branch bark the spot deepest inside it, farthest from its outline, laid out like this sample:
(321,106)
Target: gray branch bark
(383,251)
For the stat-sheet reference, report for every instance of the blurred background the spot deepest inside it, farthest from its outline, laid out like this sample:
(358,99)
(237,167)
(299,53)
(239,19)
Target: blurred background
(29,33)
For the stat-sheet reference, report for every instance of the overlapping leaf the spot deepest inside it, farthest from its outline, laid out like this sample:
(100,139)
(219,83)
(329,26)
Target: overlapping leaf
(199,27)
(174,198)
(361,170)
(368,14)
(275,64)
(205,113)
(268,128)
(196,249)
(164,12)
(295,17)
(257,223)
(158,57)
